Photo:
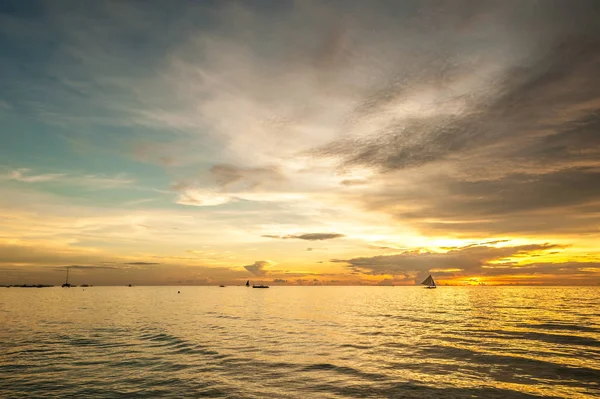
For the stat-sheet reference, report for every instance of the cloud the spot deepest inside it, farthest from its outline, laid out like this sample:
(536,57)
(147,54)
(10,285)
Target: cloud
(308,236)
(258,268)
(385,247)
(203,198)
(486,141)
(92,181)
(19,175)
(86,267)
(189,195)
(354,182)
(227,175)
(478,260)
(552,202)
(142,263)
(508,110)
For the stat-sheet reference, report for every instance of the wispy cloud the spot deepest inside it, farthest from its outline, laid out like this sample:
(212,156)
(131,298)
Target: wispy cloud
(92,181)
(203,197)
(20,175)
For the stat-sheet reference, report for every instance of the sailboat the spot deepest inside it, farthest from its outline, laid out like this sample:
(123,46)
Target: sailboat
(429,282)
(248,283)
(66,284)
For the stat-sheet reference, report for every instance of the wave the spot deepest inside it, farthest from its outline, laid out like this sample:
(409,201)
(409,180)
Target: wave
(516,368)
(559,326)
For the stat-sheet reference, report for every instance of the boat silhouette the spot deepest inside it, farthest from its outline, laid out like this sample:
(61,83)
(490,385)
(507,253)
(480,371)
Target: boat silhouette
(429,282)
(66,284)
(259,286)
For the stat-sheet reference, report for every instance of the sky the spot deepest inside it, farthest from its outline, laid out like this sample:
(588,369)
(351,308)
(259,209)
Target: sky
(300,142)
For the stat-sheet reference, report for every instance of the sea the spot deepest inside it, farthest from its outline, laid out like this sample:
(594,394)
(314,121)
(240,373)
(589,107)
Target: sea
(300,342)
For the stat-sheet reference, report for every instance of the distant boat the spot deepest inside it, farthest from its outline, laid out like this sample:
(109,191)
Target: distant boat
(221,285)
(248,283)
(66,284)
(429,282)
(260,286)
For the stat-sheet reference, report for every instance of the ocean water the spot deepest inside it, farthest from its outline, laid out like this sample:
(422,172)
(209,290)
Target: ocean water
(300,342)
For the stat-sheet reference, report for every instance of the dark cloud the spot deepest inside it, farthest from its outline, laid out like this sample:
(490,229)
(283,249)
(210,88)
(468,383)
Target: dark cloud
(562,73)
(308,236)
(142,263)
(519,152)
(258,267)
(564,201)
(519,165)
(461,261)
(87,267)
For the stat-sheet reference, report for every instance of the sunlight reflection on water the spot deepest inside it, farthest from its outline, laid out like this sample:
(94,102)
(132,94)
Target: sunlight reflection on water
(300,342)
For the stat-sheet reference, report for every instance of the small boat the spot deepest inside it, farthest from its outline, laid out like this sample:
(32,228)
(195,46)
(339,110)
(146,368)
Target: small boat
(429,282)
(66,284)
(248,283)
(221,285)
(260,286)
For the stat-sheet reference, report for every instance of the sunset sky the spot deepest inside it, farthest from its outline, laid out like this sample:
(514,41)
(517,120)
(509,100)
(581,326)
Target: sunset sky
(300,142)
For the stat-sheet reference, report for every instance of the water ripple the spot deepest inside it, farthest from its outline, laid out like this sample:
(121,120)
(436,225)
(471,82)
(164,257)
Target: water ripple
(301,342)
